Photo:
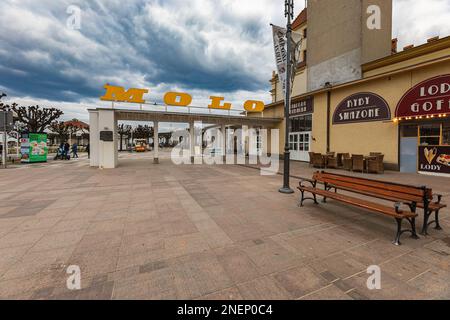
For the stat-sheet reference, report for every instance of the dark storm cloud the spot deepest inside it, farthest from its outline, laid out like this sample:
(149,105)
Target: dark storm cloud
(205,46)
(128,43)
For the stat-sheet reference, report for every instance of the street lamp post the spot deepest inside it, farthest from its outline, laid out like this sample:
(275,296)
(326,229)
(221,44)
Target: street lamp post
(289,14)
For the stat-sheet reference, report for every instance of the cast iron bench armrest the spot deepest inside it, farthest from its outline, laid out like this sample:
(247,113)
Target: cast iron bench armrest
(313,182)
(439,198)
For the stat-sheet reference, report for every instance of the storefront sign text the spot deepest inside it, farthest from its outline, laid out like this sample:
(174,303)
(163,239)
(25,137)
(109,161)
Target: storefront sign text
(434,159)
(177,99)
(428,98)
(362,107)
(301,107)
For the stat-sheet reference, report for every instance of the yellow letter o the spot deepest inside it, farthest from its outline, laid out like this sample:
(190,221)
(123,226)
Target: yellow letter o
(254,106)
(171,99)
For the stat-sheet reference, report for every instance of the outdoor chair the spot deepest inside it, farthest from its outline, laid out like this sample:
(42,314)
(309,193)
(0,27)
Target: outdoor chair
(311,158)
(374,154)
(318,160)
(376,165)
(358,162)
(347,161)
(332,162)
(331,154)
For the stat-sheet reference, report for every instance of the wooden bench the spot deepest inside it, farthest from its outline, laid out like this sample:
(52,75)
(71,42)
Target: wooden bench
(390,191)
(393,211)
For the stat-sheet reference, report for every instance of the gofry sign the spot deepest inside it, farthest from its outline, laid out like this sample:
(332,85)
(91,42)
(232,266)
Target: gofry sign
(177,99)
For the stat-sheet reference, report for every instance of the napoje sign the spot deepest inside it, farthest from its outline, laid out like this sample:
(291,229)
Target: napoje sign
(177,99)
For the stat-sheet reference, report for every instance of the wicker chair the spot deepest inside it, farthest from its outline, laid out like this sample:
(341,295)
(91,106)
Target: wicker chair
(358,162)
(374,154)
(347,161)
(318,161)
(332,162)
(311,158)
(376,165)
(331,154)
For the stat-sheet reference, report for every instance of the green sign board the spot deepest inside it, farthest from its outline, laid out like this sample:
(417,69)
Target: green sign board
(34,147)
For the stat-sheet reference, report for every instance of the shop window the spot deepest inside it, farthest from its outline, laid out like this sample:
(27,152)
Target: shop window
(301,124)
(446,134)
(308,122)
(431,130)
(409,131)
(430,134)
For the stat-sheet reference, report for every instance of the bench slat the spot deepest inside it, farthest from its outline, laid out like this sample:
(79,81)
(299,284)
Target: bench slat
(370,190)
(411,190)
(380,208)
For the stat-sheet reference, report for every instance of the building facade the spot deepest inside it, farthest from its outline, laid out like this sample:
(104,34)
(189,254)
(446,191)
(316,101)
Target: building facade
(396,103)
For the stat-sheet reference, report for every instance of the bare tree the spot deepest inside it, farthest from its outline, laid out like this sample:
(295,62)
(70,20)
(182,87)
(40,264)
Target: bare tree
(143,132)
(61,129)
(34,118)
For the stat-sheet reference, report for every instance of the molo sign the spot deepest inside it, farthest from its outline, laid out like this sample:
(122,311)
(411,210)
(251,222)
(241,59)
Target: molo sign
(428,98)
(362,107)
(177,99)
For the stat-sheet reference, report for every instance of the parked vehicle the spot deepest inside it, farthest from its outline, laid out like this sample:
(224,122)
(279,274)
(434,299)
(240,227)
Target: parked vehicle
(60,154)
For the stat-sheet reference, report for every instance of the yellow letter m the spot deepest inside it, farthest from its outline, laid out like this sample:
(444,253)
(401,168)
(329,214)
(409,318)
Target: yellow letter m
(132,95)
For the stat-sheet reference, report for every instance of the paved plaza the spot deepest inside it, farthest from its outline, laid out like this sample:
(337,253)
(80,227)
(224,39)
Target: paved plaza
(146,231)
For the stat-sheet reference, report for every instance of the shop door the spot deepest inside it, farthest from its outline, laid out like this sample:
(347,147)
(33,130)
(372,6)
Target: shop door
(300,143)
(408,154)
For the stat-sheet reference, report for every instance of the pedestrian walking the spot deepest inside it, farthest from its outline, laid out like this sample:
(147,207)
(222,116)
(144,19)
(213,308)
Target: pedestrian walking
(75,150)
(67,151)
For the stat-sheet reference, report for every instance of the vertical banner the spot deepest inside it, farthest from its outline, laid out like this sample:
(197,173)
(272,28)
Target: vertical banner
(280,47)
(279,43)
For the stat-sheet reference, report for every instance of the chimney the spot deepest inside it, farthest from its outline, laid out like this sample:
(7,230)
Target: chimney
(433,39)
(394,46)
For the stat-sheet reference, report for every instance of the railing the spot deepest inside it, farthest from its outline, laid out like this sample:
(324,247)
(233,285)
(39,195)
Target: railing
(178,109)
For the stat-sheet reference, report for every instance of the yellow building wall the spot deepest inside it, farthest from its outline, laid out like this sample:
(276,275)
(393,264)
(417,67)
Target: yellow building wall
(365,137)
(319,124)
(410,62)
(379,136)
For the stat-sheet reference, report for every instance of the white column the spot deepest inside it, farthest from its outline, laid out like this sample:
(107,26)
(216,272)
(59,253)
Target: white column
(191,140)
(108,150)
(155,142)
(94,136)
(224,142)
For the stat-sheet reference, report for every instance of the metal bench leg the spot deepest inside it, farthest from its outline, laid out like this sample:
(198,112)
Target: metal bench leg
(399,232)
(414,235)
(426,216)
(314,198)
(302,199)
(436,215)
(325,186)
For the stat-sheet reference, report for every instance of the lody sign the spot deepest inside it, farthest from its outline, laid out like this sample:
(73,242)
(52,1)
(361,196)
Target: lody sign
(362,107)
(434,159)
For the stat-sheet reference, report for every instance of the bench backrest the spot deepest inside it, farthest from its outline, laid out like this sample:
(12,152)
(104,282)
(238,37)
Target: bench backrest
(377,188)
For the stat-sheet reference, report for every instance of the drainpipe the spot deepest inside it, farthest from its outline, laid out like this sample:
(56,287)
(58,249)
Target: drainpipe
(328,119)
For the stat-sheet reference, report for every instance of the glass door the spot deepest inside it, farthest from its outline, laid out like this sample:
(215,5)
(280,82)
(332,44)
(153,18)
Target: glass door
(300,143)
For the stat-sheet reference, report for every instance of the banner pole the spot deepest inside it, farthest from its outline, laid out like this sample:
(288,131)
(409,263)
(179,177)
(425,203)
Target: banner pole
(289,7)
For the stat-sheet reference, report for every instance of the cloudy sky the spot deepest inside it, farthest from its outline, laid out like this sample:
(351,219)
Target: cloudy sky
(204,47)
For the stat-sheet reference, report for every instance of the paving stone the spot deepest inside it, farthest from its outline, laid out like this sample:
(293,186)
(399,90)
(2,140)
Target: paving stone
(330,292)
(145,231)
(264,288)
(300,281)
